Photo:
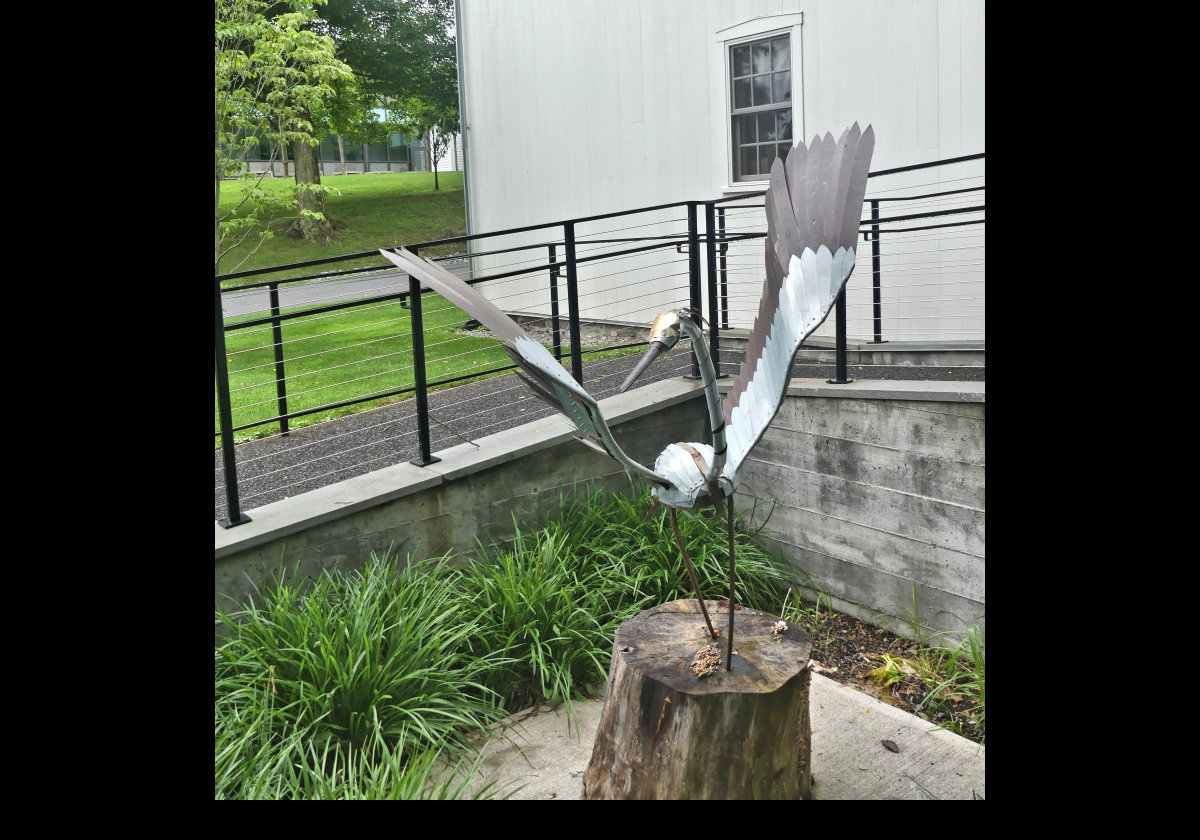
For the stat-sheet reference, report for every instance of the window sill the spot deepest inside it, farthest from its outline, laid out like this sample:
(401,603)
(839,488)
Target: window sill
(745,187)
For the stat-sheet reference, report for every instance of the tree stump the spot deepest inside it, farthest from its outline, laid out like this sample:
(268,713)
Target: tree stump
(666,733)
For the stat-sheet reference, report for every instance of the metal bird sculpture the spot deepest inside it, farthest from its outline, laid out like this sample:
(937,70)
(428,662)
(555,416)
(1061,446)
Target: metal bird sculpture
(813,205)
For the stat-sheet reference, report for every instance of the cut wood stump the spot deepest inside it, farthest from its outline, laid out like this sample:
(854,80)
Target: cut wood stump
(667,733)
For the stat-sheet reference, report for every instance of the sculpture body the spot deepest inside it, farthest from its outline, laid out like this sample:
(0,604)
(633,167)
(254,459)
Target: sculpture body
(813,206)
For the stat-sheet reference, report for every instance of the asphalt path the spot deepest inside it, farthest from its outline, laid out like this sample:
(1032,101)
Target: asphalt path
(318,291)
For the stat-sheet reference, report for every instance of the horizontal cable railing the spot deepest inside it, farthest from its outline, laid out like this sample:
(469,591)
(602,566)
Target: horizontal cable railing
(301,343)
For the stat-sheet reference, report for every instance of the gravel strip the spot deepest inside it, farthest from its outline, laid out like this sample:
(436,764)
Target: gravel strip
(277,467)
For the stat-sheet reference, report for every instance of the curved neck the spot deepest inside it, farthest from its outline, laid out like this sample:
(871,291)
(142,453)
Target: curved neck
(708,378)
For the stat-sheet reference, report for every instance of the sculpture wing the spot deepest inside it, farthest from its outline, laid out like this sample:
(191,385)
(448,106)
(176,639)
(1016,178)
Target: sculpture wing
(539,369)
(814,203)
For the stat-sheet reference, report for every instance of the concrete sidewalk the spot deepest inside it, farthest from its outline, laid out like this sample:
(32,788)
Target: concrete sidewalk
(546,755)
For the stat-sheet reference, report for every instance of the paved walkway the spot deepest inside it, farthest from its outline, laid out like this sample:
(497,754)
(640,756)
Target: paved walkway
(543,753)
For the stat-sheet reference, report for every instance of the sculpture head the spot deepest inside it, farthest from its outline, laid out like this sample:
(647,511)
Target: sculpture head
(666,330)
(664,334)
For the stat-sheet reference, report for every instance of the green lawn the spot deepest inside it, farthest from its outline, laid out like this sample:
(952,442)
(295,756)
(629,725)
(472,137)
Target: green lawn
(376,210)
(346,355)
(364,350)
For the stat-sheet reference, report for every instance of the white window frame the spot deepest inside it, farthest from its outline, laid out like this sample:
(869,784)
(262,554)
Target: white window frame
(756,29)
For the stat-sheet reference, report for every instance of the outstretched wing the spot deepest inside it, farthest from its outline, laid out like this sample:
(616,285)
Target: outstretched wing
(814,203)
(539,369)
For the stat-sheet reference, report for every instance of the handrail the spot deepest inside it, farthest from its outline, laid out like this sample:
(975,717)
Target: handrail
(561,266)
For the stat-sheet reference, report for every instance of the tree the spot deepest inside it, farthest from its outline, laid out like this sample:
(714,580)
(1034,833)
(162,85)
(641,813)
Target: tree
(354,112)
(401,51)
(272,72)
(436,121)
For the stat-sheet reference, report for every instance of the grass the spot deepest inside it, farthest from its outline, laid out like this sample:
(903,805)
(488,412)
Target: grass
(347,355)
(354,353)
(377,210)
(355,685)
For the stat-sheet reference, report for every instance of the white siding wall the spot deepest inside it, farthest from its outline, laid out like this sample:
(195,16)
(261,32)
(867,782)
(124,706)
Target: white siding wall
(592,106)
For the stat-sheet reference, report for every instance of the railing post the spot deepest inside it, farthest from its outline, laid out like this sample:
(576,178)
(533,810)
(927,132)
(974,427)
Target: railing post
(724,269)
(714,332)
(418,343)
(555,325)
(840,341)
(875,273)
(225,412)
(573,300)
(277,343)
(693,274)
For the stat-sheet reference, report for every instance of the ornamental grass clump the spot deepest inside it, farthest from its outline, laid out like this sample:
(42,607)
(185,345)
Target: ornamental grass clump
(553,599)
(351,679)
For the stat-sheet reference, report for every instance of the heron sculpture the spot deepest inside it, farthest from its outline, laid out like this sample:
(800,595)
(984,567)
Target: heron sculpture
(813,205)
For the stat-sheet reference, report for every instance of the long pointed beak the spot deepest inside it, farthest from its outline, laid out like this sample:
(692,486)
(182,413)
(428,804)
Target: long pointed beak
(656,347)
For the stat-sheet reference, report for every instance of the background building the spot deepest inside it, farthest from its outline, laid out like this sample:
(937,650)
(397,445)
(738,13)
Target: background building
(588,107)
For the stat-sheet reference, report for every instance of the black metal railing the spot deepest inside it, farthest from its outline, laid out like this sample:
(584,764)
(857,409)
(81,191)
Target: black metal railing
(550,251)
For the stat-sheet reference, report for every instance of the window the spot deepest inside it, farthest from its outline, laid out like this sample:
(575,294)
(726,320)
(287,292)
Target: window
(760,93)
(397,148)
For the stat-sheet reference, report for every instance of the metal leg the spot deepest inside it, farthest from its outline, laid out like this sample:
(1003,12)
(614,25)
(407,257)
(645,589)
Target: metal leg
(691,570)
(732,608)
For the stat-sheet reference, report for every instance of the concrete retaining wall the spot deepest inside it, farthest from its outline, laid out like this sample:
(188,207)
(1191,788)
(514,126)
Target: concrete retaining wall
(878,486)
(871,487)
(472,493)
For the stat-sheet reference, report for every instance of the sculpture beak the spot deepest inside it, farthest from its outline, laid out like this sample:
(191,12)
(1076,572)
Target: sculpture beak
(656,347)
(664,334)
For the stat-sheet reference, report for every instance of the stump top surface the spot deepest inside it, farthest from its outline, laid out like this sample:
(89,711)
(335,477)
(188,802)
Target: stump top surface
(662,641)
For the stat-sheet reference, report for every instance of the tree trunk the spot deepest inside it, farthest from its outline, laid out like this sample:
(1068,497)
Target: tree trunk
(342,153)
(666,733)
(308,171)
(432,157)
(283,156)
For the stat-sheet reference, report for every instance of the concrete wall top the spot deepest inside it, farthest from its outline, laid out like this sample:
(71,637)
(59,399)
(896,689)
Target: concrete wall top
(296,514)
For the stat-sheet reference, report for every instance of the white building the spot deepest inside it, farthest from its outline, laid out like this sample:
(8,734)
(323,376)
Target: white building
(571,109)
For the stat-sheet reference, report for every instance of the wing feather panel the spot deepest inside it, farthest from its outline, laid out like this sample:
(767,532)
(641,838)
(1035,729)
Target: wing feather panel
(813,206)
(548,379)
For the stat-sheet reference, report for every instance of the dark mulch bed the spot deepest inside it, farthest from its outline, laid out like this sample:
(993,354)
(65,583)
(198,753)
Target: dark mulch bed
(846,649)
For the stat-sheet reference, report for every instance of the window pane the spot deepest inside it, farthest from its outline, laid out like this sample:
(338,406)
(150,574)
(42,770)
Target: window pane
(762,90)
(783,150)
(741,93)
(785,124)
(749,160)
(749,135)
(766,126)
(741,60)
(762,57)
(781,58)
(766,156)
(782,86)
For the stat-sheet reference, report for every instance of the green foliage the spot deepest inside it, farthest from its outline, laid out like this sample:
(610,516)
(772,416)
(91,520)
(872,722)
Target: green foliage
(271,73)
(398,48)
(557,595)
(369,212)
(354,669)
(362,685)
